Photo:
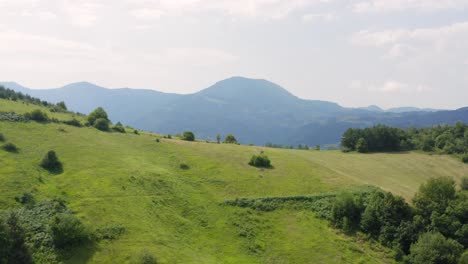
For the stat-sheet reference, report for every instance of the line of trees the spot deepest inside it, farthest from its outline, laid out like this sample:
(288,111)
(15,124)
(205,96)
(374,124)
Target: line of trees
(443,139)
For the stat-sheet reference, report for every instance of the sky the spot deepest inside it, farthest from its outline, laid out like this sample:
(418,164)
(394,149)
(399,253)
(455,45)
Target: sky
(354,52)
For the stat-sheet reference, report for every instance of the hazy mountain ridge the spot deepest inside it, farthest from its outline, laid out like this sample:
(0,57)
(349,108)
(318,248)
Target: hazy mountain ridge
(256,111)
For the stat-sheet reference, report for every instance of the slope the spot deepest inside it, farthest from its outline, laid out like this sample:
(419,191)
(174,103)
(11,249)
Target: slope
(175,214)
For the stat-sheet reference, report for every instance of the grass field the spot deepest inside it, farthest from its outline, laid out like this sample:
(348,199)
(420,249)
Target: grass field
(175,214)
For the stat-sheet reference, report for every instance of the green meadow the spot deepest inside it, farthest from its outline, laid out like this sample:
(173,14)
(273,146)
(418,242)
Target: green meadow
(176,214)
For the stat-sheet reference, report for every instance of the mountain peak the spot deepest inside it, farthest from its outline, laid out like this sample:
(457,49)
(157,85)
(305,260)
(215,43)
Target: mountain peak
(82,86)
(247,89)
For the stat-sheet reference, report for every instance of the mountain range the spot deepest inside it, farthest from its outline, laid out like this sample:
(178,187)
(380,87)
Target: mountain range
(254,110)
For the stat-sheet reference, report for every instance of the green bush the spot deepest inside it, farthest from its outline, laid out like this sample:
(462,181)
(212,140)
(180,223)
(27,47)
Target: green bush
(72,122)
(67,231)
(146,258)
(51,162)
(465,158)
(110,232)
(97,114)
(464,258)
(37,115)
(184,166)
(2,137)
(102,124)
(361,146)
(230,139)
(434,248)
(10,147)
(136,132)
(260,161)
(188,135)
(118,128)
(464,183)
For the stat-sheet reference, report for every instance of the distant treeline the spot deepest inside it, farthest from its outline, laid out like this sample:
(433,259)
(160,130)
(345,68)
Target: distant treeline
(442,139)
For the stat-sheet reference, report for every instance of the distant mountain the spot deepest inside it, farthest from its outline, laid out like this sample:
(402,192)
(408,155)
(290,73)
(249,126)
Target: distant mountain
(410,109)
(256,111)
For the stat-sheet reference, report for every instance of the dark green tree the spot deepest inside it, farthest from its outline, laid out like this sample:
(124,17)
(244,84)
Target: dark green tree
(67,231)
(188,136)
(102,124)
(51,162)
(434,248)
(361,146)
(230,139)
(434,196)
(96,114)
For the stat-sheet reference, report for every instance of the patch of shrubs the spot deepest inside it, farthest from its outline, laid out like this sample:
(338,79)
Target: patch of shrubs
(73,122)
(37,115)
(2,138)
(102,124)
(10,147)
(188,136)
(109,232)
(260,161)
(230,139)
(51,162)
(118,128)
(12,117)
(184,166)
(146,258)
(465,158)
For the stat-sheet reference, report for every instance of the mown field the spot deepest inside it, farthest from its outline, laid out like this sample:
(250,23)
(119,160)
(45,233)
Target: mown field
(176,214)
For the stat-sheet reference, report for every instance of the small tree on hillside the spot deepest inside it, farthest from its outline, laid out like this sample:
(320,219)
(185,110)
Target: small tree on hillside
(62,106)
(435,248)
(102,124)
(218,138)
(188,135)
(230,139)
(37,115)
(51,162)
(361,146)
(2,137)
(96,114)
(260,161)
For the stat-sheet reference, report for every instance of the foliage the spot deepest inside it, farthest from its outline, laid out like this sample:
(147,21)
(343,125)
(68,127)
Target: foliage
(135,132)
(2,137)
(184,166)
(110,232)
(102,124)
(10,147)
(434,196)
(146,258)
(434,248)
(119,128)
(230,139)
(51,162)
(346,211)
(260,161)
(464,183)
(72,122)
(37,115)
(218,138)
(12,117)
(67,231)
(188,135)
(98,113)
(380,138)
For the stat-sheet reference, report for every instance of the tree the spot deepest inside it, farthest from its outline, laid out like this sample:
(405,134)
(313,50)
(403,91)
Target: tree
(218,138)
(51,162)
(434,196)
(102,124)
(67,230)
(119,128)
(361,146)
(62,106)
(434,248)
(2,137)
(10,147)
(96,114)
(230,139)
(346,212)
(188,136)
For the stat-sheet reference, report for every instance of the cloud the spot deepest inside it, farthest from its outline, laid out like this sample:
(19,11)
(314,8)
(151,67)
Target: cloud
(147,13)
(270,9)
(388,6)
(326,17)
(197,57)
(392,86)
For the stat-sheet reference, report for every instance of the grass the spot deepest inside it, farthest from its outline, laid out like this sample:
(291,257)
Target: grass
(175,214)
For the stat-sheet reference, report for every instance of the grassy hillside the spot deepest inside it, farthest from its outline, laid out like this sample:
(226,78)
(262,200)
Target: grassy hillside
(176,214)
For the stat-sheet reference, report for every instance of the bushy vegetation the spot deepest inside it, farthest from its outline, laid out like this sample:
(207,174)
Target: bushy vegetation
(99,119)
(10,147)
(6,93)
(37,115)
(260,161)
(434,231)
(39,233)
(230,139)
(442,139)
(101,124)
(188,136)
(51,162)
(119,128)
(2,137)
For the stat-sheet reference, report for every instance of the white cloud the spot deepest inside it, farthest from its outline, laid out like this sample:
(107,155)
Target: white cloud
(392,86)
(147,13)
(326,17)
(387,6)
(198,57)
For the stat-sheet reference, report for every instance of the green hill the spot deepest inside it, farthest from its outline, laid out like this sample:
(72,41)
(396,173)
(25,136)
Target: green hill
(176,214)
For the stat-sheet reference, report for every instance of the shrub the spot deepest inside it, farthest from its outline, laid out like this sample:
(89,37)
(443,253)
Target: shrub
(10,147)
(97,114)
(464,183)
(260,161)
(72,122)
(188,135)
(136,132)
(435,248)
(119,128)
(184,166)
(230,139)
(102,124)
(157,140)
(51,162)
(464,258)
(146,258)
(346,212)
(465,158)
(67,230)
(110,232)
(26,199)
(2,137)
(361,146)
(37,115)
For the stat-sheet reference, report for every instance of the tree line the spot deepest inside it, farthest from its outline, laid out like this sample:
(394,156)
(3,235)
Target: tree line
(441,139)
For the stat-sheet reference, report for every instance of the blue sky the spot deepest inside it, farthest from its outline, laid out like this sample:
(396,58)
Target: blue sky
(355,52)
